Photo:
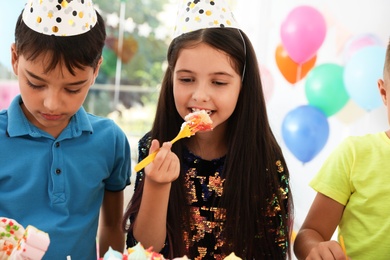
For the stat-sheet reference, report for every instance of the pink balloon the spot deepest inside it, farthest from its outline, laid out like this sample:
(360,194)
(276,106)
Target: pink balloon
(8,90)
(302,33)
(358,42)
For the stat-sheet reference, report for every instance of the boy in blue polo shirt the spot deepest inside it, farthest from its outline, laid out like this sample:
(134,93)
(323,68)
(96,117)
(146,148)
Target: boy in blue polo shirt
(60,166)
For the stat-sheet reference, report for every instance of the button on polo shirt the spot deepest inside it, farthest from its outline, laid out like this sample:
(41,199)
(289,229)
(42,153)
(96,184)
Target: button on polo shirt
(58,184)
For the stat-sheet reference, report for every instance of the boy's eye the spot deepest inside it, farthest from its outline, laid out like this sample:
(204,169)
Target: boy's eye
(70,91)
(33,86)
(73,91)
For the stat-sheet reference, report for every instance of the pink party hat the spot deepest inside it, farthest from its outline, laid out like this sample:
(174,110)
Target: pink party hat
(60,17)
(199,14)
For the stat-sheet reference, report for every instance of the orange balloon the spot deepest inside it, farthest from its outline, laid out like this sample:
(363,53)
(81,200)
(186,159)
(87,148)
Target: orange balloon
(292,71)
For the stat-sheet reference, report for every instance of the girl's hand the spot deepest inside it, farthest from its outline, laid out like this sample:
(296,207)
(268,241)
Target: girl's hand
(165,167)
(328,250)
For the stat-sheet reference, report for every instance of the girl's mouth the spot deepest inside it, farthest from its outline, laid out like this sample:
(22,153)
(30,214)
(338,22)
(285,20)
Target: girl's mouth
(209,112)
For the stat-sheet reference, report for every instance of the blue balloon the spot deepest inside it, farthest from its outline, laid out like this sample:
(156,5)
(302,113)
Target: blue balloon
(361,74)
(305,131)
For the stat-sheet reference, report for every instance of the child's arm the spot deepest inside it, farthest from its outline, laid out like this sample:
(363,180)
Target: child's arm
(110,229)
(150,223)
(313,239)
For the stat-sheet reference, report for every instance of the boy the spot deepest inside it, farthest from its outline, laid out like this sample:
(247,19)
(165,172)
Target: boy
(353,194)
(60,166)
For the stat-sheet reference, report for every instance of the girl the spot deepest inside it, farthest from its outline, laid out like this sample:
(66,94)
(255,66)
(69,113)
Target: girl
(220,191)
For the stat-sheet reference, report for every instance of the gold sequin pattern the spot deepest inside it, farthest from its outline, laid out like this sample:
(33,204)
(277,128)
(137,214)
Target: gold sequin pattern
(204,185)
(208,220)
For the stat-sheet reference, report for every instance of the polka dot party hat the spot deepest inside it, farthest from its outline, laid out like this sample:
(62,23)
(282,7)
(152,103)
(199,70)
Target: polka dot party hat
(60,17)
(200,14)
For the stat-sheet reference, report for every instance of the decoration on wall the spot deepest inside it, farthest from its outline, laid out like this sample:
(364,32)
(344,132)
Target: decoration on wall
(324,88)
(292,71)
(330,88)
(361,74)
(8,90)
(350,113)
(358,42)
(302,32)
(305,131)
(267,82)
(129,48)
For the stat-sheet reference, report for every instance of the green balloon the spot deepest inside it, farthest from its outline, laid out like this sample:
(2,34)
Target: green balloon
(325,88)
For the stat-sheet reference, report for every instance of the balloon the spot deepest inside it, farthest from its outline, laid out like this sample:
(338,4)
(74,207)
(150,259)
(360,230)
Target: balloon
(267,83)
(305,131)
(325,88)
(350,113)
(303,32)
(358,42)
(361,74)
(292,71)
(8,90)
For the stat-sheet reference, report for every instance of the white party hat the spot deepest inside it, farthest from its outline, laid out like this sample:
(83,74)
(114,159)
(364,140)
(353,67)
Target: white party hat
(60,17)
(200,14)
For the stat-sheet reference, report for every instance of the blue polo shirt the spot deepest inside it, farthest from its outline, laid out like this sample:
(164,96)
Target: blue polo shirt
(57,185)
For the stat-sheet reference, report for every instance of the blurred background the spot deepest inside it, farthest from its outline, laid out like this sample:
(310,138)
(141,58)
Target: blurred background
(320,62)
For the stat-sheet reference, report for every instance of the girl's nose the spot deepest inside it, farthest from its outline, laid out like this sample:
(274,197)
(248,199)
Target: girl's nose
(201,94)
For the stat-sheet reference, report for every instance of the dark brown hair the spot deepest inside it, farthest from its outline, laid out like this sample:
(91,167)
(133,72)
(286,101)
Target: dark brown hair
(75,51)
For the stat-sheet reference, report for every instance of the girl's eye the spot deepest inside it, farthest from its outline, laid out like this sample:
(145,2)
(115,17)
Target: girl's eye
(185,80)
(219,83)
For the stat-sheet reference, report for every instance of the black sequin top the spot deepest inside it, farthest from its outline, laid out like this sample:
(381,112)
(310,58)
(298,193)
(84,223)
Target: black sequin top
(205,187)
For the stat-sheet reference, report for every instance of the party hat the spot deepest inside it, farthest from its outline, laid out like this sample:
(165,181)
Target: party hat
(200,14)
(60,17)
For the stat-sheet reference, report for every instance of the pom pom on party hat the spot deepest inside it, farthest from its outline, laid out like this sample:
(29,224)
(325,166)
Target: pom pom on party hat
(200,14)
(60,17)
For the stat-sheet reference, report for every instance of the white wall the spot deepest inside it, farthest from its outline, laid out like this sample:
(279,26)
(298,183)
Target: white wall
(261,20)
(9,14)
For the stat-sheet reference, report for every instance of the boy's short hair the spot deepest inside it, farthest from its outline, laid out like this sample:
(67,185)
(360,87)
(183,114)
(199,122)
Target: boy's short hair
(75,51)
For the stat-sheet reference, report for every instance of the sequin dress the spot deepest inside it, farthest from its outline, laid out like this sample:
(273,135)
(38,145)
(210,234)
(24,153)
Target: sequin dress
(205,187)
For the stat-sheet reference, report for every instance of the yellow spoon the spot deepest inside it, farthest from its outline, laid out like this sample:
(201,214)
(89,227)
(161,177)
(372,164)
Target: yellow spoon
(343,246)
(185,131)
